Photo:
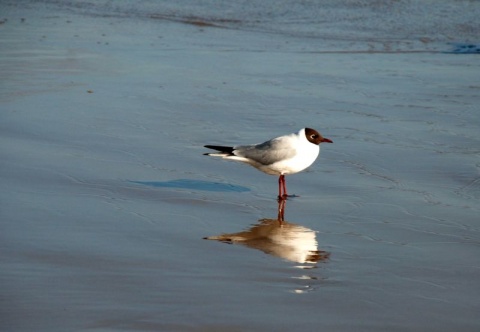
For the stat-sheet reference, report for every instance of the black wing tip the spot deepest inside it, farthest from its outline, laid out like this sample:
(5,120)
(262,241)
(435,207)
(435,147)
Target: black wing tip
(225,149)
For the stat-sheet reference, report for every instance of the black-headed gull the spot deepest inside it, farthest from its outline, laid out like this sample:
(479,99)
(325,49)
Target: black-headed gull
(283,155)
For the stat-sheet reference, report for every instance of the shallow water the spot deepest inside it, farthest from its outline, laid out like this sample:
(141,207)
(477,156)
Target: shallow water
(106,196)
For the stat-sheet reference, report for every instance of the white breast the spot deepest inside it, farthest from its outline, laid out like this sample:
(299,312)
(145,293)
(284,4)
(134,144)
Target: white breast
(306,154)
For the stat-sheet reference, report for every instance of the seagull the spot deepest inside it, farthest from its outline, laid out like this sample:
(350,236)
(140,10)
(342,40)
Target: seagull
(288,154)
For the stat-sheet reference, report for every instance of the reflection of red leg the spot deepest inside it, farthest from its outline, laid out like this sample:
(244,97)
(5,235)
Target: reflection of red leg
(281,209)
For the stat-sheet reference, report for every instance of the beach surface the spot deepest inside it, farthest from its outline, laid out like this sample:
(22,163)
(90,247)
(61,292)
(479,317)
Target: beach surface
(106,196)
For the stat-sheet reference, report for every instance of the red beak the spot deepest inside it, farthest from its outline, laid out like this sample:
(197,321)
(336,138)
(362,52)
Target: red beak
(326,140)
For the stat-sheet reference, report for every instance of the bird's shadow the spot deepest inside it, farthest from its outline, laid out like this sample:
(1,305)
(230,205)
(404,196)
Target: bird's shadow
(277,237)
(194,185)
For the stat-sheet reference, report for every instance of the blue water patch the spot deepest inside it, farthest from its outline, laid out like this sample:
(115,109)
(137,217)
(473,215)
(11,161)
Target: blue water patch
(465,49)
(195,185)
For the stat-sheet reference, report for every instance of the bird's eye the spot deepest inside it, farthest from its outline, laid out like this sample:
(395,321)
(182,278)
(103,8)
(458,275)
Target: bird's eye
(314,136)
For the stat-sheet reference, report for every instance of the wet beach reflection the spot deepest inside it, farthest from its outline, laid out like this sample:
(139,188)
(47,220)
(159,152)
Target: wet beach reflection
(277,237)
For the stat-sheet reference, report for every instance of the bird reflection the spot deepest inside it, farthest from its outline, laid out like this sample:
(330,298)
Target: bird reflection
(279,238)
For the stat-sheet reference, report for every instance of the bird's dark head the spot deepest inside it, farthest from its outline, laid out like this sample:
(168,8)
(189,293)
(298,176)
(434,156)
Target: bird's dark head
(315,137)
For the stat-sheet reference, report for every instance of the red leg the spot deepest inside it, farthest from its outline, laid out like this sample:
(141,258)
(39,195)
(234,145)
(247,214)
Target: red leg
(280,187)
(285,194)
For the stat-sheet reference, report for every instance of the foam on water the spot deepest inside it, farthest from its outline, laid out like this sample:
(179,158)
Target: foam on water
(380,26)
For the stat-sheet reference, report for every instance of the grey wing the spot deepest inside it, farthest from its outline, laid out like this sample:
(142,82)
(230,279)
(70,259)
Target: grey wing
(266,153)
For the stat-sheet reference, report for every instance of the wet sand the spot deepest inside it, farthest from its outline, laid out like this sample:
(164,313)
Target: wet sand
(106,197)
